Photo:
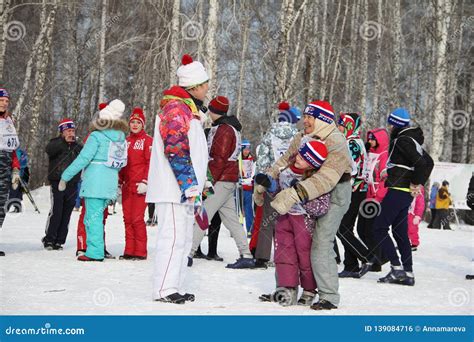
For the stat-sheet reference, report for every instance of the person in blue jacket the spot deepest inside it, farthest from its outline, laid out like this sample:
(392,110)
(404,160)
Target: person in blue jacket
(102,157)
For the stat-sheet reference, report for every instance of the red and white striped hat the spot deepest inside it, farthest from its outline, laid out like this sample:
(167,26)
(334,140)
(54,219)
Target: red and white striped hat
(66,124)
(314,152)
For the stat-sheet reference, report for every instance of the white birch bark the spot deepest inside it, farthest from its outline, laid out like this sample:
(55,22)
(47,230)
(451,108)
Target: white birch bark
(174,41)
(20,109)
(103,33)
(443,14)
(245,44)
(364,62)
(4,7)
(281,59)
(211,47)
(337,64)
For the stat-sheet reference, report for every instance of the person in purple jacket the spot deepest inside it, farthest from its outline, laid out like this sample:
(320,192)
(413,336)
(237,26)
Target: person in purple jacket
(293,231)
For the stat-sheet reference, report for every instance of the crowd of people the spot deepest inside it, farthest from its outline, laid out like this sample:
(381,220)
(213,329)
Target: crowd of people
(313,178)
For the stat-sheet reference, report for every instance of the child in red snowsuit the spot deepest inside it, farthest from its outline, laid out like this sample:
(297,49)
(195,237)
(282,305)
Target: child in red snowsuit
(293,231)
(415,214)
(133,179)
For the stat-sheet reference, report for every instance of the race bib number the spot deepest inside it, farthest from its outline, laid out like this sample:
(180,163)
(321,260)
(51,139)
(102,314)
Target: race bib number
(369,167)
(117,157)
(279,147)
(8,137)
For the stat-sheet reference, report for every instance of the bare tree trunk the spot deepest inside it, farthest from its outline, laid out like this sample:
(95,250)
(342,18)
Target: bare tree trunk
(337,64)
(364,62)
(174,47)
(200,16)
(298,54)
(443,15)
(281,64)
(453,147)
(211,47)
(245,44)
(19,110)
(378,59)
(351,78)
(470,127)
(4,7)
(103,33)
(395,52)
(310,71)
(322,69)
(40,77)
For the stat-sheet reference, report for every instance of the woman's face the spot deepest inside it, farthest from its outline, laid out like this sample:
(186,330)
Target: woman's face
(200,91)
(309,124)
(372,143)
(301,164)
(136,126)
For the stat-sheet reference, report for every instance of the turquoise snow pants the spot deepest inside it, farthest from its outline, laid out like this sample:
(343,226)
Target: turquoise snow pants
(95,226)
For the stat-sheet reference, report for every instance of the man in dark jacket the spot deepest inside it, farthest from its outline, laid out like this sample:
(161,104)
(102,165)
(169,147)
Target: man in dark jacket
(61,152)
(408,167)
(224,149)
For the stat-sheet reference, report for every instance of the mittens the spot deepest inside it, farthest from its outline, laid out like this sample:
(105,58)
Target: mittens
(62,185)
(284,200)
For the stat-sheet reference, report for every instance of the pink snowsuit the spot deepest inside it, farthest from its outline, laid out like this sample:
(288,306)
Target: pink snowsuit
(293,238)
(417,208)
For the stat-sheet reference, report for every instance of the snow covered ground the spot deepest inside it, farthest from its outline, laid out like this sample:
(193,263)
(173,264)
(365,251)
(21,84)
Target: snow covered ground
(39,282)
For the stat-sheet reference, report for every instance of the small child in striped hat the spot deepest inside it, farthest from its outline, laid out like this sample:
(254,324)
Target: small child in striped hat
(293,231)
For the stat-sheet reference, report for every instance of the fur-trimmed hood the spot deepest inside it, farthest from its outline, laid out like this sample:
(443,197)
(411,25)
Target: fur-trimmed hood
(101,125)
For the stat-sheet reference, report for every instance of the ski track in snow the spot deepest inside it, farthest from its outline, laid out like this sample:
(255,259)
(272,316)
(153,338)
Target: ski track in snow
(34,281)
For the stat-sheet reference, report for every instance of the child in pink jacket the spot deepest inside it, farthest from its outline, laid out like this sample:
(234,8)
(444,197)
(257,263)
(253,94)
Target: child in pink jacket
(415,213)
(374,174)
(293,231)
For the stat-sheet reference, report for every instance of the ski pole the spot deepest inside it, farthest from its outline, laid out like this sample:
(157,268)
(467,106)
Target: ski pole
(28,193)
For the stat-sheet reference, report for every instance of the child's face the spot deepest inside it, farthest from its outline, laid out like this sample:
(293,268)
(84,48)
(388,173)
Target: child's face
(302,164)
(136,126)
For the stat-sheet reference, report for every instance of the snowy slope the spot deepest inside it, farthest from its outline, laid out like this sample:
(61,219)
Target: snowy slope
(36,281)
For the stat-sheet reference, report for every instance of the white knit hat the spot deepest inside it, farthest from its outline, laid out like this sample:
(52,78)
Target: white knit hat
(191,73)
(113,111)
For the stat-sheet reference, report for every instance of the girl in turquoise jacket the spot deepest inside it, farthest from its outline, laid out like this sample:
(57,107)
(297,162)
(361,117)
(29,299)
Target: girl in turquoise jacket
(101,159)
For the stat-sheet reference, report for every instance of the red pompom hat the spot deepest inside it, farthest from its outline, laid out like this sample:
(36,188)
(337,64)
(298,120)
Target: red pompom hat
(137,114)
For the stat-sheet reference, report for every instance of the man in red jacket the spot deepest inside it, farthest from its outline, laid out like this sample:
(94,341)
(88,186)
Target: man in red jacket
(133,178)
(224,149)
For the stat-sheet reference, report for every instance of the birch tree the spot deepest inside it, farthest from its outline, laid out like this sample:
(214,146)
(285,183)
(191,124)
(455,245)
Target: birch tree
(211,45)
(443,16)
(103,33)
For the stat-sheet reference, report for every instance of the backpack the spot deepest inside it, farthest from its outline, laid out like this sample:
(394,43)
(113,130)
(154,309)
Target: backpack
(426,172)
